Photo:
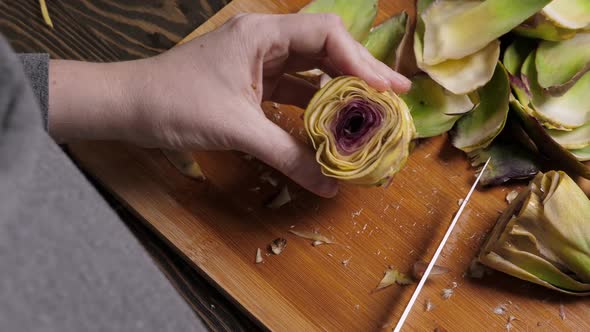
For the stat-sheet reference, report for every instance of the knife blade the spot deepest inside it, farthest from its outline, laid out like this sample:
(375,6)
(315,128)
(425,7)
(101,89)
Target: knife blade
(438,251)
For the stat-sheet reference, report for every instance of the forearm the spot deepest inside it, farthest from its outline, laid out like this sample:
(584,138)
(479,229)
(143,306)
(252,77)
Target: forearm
(95,101)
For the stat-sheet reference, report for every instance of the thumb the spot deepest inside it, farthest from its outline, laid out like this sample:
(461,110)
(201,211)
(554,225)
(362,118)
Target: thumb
(271,144)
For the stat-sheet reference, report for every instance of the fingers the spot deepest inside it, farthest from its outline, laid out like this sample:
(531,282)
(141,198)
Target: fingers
(269,143)
(293,91)
(397,82)
(324,34)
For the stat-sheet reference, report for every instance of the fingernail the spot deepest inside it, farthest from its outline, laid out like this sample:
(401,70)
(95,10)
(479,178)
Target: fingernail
(402,80)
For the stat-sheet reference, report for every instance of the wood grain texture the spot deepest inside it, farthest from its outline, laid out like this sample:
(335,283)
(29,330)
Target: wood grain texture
(102,30)
(218,225)
(215,309)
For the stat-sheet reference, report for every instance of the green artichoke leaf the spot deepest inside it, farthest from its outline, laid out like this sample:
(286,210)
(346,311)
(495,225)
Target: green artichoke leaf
(513,59)
(459,76)
(581,154)
(565,112)
(478,128)
(571,14)
(383,40)
(357,16)
(545,144)
(561,64)
(361,135)
(544,236)
(509,161)
(516,53)
(538,26)
(456,29)
(578,138)
(434,109)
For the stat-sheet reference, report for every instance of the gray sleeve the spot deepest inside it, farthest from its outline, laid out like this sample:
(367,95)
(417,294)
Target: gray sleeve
(36,68)
(67,262)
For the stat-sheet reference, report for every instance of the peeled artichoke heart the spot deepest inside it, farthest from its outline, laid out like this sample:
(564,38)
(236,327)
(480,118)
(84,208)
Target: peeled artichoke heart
(572,14)
(478,128)
(564,112)
(455,29)
(384,39)
(459,76)
(357,16)
(360,135)
(544,236)
(434,109)
(561,64)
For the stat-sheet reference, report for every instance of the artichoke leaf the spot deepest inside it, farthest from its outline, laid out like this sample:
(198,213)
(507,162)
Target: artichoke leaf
(456,29)
(538,26)
(545,144)
(578,138)
(571,14)
(357,16)
(185,163)
(561,64)
(581,154)
(383,40)
(565,112)
(544,236)
(513,59)
(508,161)
(459,76)
(516,53)
(434,109)
(478,128)
(360,135)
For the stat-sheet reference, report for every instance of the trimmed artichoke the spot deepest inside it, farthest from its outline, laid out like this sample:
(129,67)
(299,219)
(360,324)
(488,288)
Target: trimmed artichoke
(361,136)
(544,236)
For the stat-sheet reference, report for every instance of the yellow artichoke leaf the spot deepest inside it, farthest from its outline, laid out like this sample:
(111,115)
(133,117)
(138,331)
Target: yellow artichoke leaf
(456,29)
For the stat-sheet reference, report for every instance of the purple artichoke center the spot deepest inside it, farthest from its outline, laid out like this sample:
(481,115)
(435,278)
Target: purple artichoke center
(355,124)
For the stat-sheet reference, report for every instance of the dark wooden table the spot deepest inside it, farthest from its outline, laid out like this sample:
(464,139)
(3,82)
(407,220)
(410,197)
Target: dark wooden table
(110,30)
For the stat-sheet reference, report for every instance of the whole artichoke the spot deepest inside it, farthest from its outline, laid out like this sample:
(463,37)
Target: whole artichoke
(361,135)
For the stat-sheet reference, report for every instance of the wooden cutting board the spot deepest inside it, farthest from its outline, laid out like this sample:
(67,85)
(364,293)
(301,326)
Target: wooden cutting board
(217,225)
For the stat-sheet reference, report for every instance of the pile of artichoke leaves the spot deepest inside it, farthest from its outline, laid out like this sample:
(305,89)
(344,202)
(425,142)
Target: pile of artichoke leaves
(506,79)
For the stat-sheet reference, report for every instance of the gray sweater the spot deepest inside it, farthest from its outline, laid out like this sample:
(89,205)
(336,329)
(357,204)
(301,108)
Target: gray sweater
(67,263)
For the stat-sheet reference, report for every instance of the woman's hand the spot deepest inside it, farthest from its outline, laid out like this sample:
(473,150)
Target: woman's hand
(206,94)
